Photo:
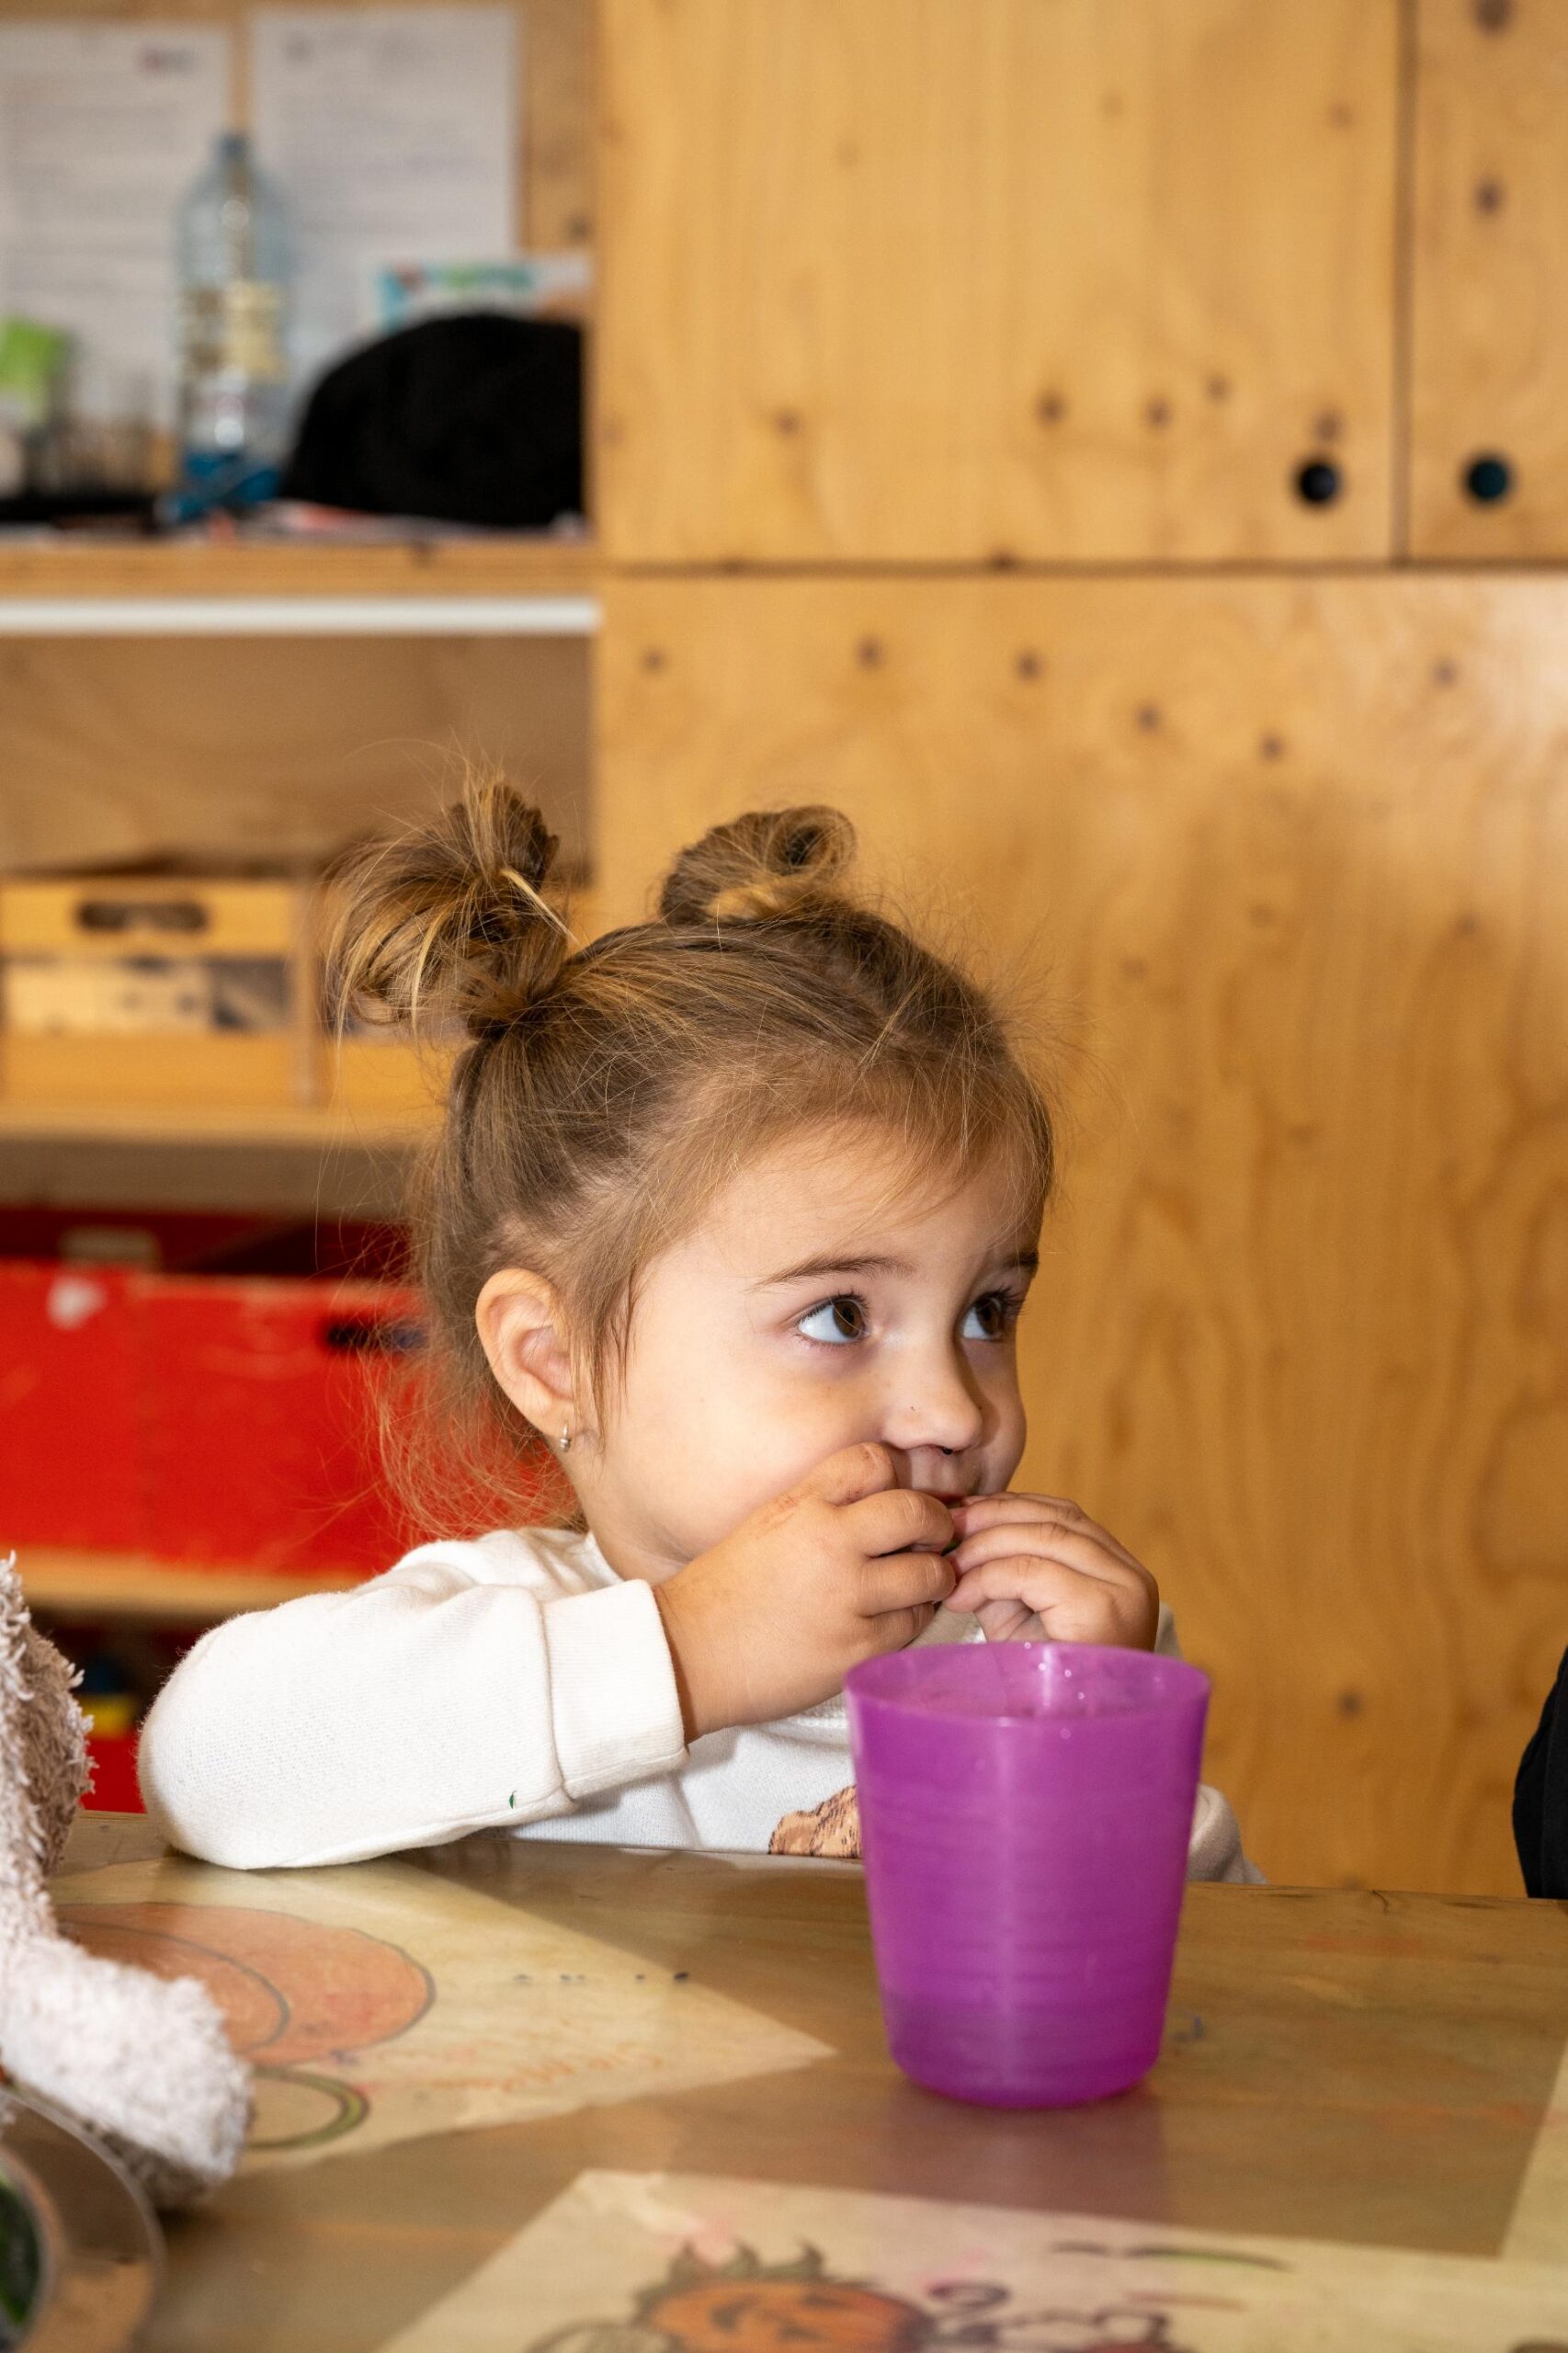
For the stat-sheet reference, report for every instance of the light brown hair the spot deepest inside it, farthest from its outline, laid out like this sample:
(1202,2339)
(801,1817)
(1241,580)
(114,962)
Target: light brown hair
(605,1092)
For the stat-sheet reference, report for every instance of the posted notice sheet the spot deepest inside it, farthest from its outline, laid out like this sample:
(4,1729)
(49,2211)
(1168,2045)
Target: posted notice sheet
(393,133)
(102,130)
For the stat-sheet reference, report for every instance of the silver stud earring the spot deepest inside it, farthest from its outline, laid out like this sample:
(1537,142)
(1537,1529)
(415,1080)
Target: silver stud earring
(565,1439)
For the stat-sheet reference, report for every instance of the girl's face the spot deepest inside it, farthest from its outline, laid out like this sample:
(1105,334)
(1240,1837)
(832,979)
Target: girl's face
(819,1303)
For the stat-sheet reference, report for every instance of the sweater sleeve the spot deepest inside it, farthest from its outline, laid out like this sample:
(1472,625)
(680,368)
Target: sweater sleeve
(405,1712)
(1214,1851)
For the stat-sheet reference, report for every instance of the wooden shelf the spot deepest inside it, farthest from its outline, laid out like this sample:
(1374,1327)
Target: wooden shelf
(127,1585)
(386,1100)
(492,566)
(507,586)
(304,1127)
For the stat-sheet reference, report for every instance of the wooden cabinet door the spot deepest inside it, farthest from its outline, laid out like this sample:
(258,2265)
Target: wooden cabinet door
(996,280)
(1489,375)
(1280,862)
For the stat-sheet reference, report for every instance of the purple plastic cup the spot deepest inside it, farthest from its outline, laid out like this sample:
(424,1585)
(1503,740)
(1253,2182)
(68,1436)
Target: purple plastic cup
(1025,1813)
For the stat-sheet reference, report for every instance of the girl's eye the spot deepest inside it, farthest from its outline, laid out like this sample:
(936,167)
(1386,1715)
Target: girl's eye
(835,1320)
(989,1318)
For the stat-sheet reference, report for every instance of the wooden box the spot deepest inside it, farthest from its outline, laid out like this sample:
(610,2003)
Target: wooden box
(166,987)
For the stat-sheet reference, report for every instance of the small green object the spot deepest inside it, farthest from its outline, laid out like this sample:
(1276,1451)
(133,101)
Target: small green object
(513,1799)
(31,357)
(21,2264)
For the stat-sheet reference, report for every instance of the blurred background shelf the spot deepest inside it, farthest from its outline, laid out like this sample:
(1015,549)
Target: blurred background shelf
(505,587)
(313,1125)
(419,567)
(66,1585)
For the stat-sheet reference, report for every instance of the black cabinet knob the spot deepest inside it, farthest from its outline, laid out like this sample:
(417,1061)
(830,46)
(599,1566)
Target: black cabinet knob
(1318,481)
(1488,478)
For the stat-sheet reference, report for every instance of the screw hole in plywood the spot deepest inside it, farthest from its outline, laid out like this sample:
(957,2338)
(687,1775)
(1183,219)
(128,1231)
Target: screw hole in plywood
(1488,478)
(1318,481)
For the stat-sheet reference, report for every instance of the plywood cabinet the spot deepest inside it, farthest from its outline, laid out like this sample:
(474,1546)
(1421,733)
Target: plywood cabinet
(1489,412)
(119,747)
(994,280)
(1284,859)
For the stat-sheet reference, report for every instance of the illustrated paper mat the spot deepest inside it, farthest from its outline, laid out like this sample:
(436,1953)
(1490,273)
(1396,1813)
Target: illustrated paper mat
(379,2003)
(674,2263)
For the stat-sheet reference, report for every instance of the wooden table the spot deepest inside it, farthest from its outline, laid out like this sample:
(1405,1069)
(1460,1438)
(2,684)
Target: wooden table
(1357,2067)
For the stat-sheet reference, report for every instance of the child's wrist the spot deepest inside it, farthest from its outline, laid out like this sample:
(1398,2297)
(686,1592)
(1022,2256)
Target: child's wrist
(678,1635)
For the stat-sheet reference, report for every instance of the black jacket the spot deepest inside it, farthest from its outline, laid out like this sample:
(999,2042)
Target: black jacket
(1540,1797)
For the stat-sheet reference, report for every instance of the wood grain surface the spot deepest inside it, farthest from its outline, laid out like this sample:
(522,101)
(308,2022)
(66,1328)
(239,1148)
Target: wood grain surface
(93,566)
(115,747)
(1352,2067)
(304,1172)
(995,282)
(1281,864)
(1490,258)
(64,1586)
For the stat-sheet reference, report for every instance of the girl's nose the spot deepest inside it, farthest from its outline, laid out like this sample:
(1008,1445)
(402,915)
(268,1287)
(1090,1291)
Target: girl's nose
(940,1410)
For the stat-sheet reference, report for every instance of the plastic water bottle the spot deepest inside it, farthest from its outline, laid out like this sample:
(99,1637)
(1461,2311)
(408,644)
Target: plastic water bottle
(232,252)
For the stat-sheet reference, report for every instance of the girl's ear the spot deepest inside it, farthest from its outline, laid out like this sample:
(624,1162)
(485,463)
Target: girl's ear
(523,1333)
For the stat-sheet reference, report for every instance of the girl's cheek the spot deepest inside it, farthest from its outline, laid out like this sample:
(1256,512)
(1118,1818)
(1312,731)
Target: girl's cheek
(1011,1427)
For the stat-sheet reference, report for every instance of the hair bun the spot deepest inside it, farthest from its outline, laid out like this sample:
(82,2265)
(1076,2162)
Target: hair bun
(447,920)
(769,865)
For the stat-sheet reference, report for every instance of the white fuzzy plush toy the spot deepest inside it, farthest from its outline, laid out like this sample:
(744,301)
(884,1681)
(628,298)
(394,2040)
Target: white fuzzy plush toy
(142,2064)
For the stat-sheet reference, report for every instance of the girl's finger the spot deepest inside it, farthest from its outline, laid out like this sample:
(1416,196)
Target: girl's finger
(1013,1501)
(904,1581)
(899,1520)
(1008,1621)
(894,1629)
(1014,1511)
(854,1471)
(1006,1511)
(1047,1541)
(1069,1606)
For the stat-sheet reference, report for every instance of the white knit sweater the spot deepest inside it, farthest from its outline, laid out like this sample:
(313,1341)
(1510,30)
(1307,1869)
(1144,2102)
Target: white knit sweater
(516,1682)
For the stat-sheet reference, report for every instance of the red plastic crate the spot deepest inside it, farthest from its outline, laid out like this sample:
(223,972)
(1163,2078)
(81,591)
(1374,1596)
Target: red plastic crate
(71,1470)
(261,1423)
(209,1418)
(115,1788)
(71,1379)
(222,1408)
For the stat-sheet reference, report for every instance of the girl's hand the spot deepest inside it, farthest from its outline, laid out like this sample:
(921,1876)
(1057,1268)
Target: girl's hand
(772,1620)
(1036,1569)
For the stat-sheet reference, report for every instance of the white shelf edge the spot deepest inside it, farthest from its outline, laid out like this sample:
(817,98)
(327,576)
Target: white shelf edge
(522,616)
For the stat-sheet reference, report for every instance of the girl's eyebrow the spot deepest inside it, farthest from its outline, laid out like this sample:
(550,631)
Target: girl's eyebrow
(818,1266)
(1025,1262)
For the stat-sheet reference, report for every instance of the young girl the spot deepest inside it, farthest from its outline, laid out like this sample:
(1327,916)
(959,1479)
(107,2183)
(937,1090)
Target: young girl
(736,1211)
